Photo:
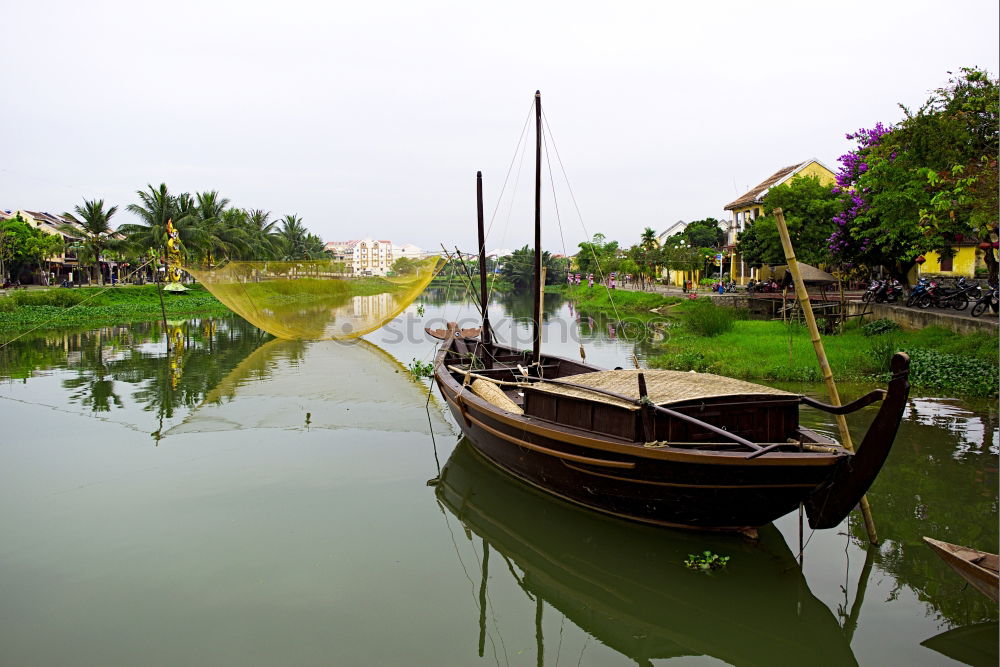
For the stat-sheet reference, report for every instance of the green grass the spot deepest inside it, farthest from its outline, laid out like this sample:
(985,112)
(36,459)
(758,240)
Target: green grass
(96,306)
(600,299)
(774,351)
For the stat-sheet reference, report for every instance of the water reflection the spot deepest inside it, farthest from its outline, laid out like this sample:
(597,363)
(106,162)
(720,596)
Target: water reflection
(291,384)
(940,480)
(625,584)
(127,373)
(972,645)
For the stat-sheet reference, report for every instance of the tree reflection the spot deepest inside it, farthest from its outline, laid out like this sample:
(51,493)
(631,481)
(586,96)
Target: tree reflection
(940,481)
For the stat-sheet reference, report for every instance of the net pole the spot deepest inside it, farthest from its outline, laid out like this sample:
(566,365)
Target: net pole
(806,306)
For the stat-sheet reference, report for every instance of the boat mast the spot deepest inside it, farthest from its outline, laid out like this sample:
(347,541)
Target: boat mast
(536,315)
(483,296)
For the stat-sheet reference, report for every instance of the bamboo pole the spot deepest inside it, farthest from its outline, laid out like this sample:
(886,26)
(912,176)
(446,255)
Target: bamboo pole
(803,297)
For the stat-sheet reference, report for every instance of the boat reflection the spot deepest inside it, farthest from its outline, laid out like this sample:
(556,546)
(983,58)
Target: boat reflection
(626,584)
(971,645)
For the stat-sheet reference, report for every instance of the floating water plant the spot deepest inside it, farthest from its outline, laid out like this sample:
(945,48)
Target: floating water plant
(420,369)
(706,561)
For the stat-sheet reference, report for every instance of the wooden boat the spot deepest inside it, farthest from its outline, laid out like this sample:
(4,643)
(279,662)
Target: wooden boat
(977,567)
(657,446)
(626,584)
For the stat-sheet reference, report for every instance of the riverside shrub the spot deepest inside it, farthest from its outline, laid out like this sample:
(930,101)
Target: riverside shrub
(706,319)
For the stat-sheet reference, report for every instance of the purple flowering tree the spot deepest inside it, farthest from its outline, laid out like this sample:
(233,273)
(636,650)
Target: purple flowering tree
(880,196)
(925,183)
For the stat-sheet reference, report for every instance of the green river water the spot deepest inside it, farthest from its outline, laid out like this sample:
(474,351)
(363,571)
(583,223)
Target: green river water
(245,500)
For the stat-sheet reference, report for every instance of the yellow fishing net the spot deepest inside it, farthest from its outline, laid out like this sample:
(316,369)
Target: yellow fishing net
(315,299)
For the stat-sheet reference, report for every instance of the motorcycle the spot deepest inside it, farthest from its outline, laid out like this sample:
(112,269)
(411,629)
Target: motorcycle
(989,299)
(918,291)
(888,292)
(966,292)
(873,288)
(943,297)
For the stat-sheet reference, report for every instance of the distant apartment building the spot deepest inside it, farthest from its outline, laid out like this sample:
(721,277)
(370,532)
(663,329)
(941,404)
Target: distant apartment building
(371,257)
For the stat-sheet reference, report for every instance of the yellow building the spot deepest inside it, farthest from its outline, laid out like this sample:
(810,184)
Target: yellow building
(750,206)
(967,258)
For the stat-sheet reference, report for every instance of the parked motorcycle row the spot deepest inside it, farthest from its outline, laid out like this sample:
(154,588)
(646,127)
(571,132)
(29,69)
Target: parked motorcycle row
(929,292)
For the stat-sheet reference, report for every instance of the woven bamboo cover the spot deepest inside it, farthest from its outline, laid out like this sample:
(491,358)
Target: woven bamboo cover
(664,387)
(493,394)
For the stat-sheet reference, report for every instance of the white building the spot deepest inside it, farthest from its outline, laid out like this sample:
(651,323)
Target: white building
(371,257)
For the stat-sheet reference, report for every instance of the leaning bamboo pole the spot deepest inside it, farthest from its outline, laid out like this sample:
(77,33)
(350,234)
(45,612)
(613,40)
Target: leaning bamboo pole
(806,307)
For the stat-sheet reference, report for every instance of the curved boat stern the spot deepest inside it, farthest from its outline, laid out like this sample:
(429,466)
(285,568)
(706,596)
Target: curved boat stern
(833,501)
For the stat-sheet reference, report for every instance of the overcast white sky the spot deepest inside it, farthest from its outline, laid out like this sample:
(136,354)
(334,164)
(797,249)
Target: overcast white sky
(371,118)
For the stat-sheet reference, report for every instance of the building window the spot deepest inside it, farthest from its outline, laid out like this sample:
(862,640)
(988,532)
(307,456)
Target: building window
(947,263)
(756,213)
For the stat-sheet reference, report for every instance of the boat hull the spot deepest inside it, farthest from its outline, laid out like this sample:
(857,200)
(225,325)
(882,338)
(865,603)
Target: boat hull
(969,564)
(689,492)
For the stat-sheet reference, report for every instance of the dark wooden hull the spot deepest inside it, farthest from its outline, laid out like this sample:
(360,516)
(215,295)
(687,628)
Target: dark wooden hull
(704,488)
(660,491)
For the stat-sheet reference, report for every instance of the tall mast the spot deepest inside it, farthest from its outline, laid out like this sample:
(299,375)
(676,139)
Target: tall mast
(486,337)
(536,315)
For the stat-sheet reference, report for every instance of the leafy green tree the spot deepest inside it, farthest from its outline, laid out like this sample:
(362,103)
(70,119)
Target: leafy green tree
(703,233)
(404,266)
(916,186)
(809,208)
(40,247)
(598,256)
(14,246)
(94,231)
(519,268)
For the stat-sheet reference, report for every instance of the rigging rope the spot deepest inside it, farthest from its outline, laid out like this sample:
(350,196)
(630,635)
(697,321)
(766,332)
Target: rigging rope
(569,187)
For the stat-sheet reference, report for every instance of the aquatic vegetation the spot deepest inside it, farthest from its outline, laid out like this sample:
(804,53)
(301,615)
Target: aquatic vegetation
(706,562)
(420,369)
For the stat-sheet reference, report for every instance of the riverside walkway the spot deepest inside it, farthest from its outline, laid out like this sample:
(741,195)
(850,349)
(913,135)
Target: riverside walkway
(913,318)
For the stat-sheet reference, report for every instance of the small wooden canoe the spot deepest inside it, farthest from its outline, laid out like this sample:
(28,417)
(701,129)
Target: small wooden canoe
(977,567)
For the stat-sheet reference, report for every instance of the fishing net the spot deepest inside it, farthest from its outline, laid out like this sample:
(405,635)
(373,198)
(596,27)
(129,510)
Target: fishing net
(315,299)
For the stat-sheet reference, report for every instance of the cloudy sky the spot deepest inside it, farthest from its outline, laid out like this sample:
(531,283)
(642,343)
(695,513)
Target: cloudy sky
(372,118)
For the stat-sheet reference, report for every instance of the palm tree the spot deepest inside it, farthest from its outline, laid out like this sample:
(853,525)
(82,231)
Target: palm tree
(94,224)
(156,208)
(220,230)
(293,235)
(264,240)
(648,239)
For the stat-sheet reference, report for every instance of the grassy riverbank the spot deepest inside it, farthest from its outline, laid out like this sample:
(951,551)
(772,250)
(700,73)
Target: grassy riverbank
(767,350)
(97,306)
(601,299)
